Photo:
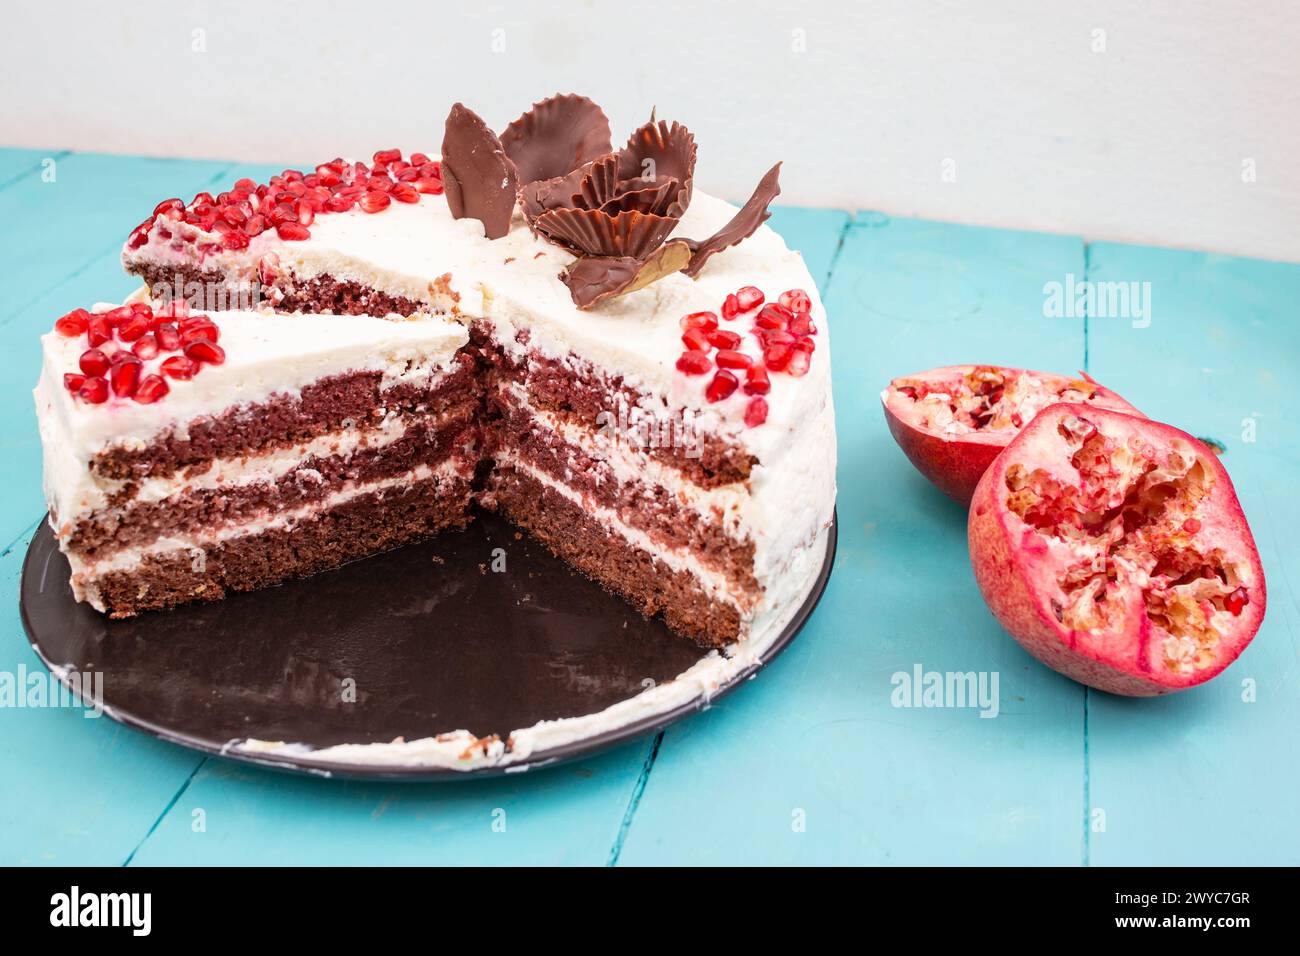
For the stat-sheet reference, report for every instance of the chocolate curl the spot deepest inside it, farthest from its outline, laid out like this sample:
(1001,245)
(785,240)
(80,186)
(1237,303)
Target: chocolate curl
(594,279)
(556,136)
(742,225)
(479,178)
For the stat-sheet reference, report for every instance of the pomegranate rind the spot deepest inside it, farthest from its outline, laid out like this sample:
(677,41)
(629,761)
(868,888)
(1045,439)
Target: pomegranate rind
(1016,566)
(954,462)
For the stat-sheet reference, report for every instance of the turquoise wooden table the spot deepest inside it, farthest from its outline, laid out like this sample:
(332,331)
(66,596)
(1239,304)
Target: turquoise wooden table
(811,762)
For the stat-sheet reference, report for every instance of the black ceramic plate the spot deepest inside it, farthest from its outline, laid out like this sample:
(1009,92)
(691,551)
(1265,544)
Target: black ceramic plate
(432,636)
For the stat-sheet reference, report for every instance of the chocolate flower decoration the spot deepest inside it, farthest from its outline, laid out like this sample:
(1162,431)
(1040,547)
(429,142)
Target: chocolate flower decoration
(615,209)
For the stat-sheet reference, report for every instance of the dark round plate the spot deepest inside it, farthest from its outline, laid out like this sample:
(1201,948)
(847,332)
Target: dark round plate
(430,636)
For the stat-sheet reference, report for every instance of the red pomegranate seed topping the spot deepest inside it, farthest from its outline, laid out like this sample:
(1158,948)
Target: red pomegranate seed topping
(777,357)
(388,155)
(429,185)
(750,297)
(125,377)
(375,202)
(700,320)
(756,381)
(306,215)
(180,367)
(800,362)
(94,390)
(805,344)
(797,301)
(255,226)
(756,412)
(146,347)
(802,325)
(418,159)
(167,204)
(139,236)
(730,306)
(73,382)
(246,185)
(234,215)
(722,339)
(1191,526)
(729,358)
(204,351)
(169,339)
(381,184)
(98,331)
(408,174)
(234,240)
(283,213)
(199,327)
(94,362)
(405,192)
(292,231)
(697,340)
(134,327)
(327,175)
(141,308)
(150,389)
(73,324)
(694,362)
(723,384)
(773,317)
(115,317)
(339,203)
(770,337)
(1236,602)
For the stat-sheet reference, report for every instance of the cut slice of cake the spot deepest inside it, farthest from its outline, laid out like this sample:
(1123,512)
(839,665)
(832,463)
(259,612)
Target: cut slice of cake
(654,392)
(188,455)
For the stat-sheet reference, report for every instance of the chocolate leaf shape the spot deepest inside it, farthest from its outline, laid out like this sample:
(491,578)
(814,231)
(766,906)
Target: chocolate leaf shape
(594,279)
(556,136)
(742,225)
(594,233)
(663,152)
(480,180)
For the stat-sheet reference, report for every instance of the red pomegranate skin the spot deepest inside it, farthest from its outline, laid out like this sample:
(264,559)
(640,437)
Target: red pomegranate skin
(954,460)
(1019,566)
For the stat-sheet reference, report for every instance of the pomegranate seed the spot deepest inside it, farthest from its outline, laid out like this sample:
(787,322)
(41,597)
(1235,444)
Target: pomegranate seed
(246,185)
(339,203)
(405,192)
(291,176)
(1191,526)
(697,340)
(150,389)
(306,215)
(1237,601)
(756,381)
(797,301)
(94,390)
(729,358)
(98,331)
(146,347)
(134,327)
(429,185)
(730,306)
(266,268)
(770,337)
(125,377)
(694,363)
(72,381)
(773,317)
(234,215)
(806,344)
(375,202)
(180,367)
(115,317)
(139,235)
(141,308)
(700,320)
(388,155)
(380,184)
(328,175)
(199,327)
(723,384)
(777,357)
(94,362)
(169,339)
(756,412)
(418,159)
(234,241)
(722,339)
(750,297)
(408,175)
(802,325)
(204,351)
(255,226)
(292,231)
(800,362)
(73,324)
(282,213)
(166,205)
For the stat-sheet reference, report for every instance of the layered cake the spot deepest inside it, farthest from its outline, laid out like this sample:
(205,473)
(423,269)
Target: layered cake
(340,361)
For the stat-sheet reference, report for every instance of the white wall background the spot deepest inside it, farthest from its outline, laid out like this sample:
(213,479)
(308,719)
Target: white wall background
(1151,138)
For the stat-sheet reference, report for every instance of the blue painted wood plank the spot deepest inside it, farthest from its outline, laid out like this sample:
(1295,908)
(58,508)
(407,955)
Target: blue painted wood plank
(1209,776)
(812,762)
(19,163)
(815,233)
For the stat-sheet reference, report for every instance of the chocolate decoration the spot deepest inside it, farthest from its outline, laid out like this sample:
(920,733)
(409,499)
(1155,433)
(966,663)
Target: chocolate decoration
(480,180)
(592,232)
(670,152)
(556,136)
(593,279)
(742,225)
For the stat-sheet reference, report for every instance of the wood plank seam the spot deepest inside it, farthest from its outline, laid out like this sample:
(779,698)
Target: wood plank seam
(166,810)
(638,789)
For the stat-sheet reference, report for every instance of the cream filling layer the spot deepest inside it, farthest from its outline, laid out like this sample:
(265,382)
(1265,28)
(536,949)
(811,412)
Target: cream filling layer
(678,559)
(130,558)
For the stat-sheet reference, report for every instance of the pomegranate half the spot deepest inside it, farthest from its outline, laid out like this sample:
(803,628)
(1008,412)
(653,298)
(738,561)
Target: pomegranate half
(1114,550)
(952,422)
